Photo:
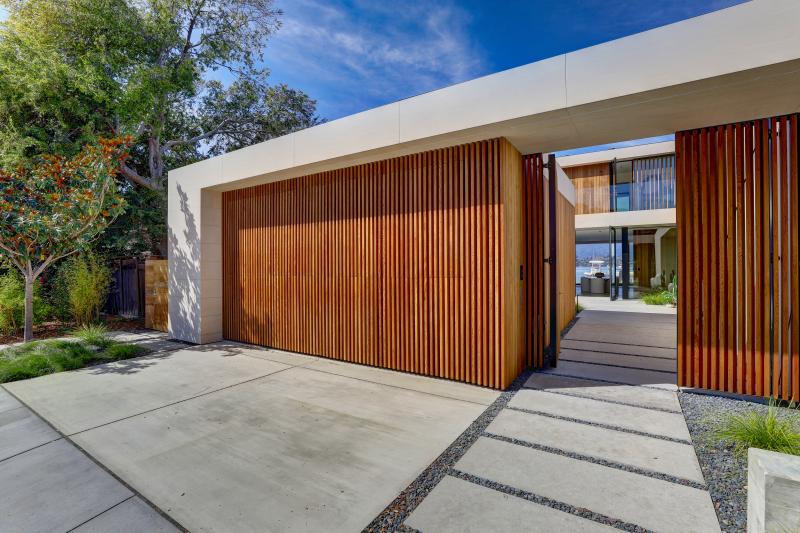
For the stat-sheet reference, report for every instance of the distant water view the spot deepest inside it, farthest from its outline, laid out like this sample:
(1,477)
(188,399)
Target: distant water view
(583,269)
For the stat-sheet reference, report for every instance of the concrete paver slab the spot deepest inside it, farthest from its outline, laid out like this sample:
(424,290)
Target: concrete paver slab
(54,488)
(651,503)
(86,398)
(457,506)
(657,455)
(130,516)
(438,387)
(609,347)
(300,450)
(615,374)
(659,399)
(632,361)
(670,425)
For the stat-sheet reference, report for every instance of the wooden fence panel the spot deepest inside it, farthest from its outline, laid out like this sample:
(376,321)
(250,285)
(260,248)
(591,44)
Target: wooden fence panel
(156,314)
(410,263)
(737,190)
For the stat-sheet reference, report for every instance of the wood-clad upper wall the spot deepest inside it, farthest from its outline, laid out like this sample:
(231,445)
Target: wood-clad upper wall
(592,188)
(738,258)
(410,263)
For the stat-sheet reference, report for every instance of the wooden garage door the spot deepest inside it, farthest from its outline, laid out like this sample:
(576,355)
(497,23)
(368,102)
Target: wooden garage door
(411,263)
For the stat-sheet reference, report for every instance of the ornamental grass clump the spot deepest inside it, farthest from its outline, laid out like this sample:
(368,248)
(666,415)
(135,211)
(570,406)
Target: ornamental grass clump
(94,335)
(775,429)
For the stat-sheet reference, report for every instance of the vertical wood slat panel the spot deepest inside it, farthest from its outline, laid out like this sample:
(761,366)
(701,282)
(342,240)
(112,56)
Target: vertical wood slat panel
(400,264)
(737,192)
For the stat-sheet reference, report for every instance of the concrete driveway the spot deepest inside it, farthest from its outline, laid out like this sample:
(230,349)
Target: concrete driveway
(232,438)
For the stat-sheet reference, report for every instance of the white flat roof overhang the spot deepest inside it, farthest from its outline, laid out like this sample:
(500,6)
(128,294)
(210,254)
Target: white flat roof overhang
(735,64)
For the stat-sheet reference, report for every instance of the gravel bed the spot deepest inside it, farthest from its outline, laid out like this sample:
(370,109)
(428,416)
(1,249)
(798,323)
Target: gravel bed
(725,472)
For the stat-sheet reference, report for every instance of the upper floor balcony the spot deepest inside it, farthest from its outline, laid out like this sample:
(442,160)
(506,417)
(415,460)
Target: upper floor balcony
(635,184)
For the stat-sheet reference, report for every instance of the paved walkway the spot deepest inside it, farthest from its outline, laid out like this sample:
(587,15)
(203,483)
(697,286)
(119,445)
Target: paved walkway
(595,444)
(47,484)
(227,437)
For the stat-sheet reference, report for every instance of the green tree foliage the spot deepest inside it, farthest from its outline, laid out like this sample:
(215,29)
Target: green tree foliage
(141,68)
(56,207)
(147,68)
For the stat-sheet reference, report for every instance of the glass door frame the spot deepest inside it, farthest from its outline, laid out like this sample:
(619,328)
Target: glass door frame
(612,262)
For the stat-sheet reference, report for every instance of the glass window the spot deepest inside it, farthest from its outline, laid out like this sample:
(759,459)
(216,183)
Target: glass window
(623,175)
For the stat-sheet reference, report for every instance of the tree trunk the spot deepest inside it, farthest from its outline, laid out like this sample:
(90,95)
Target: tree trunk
(28,308)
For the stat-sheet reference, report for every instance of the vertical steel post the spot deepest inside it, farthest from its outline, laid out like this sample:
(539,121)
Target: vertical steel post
(552,193)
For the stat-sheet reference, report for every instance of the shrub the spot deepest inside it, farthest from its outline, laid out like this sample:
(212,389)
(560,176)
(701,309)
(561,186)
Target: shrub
(12,303)
(39,358)
(766,430)
(82,286)
(124,351)
(94,334)
(659,297)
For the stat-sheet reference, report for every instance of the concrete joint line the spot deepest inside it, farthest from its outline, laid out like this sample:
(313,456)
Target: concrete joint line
(604,400)
(621,344)
(103,467)
(548,502)
(651,387)
(616,353)
(670,372)
(599,425)
(102,512)
(394,386)
(181,401)
(599,461)
(31,449)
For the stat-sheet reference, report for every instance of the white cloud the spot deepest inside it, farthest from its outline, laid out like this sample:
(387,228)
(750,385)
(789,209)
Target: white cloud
(373,52)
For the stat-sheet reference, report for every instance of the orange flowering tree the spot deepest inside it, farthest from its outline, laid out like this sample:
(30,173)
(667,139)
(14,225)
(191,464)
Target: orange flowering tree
(56,207)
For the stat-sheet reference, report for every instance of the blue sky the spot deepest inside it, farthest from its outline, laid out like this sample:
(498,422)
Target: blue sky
(352,55)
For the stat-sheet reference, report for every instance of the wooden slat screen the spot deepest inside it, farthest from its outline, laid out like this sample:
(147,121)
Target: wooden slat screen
(410,263)
(535,332)
(738,258)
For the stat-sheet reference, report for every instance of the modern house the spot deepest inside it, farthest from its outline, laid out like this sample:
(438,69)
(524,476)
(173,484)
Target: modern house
(625,219)
(423,235)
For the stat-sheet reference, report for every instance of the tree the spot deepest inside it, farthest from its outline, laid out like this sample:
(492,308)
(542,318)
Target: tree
(142,68)
(56,207)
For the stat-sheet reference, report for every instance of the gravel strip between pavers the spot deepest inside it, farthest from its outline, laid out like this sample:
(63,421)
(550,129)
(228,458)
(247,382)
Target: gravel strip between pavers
(391,518)
(598,425)
(598,461)
(548,502)
(593,398)
(725,472)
